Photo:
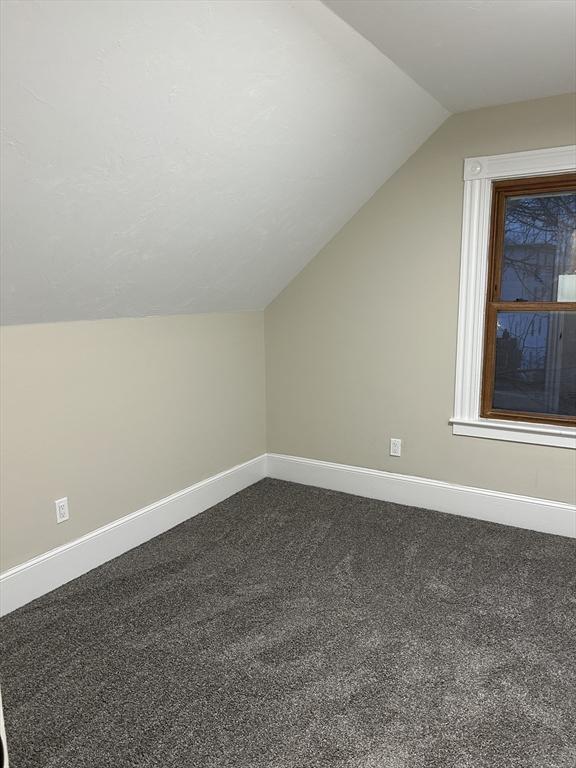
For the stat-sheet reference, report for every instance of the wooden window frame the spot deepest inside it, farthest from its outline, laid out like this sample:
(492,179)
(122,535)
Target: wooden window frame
(478,174)
(501,191)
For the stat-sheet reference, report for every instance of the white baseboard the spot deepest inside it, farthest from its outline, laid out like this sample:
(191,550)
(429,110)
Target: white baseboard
(542,515)
(44,573)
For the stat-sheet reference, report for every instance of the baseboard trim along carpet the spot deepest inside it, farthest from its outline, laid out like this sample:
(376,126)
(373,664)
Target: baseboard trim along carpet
(46,572)
(543,515)
(42,574)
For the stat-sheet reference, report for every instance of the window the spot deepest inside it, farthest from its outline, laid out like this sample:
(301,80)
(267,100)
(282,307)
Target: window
(516,357)
(530,327)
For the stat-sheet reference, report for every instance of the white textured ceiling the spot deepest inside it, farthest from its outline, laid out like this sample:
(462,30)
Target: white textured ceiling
(474,53)
(174,157)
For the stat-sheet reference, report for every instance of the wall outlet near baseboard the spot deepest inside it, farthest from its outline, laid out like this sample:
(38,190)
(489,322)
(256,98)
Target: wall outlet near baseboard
(395,446)
(62,513)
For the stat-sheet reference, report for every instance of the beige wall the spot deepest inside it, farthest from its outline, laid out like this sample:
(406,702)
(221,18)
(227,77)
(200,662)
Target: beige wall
(116,414)
(361,345)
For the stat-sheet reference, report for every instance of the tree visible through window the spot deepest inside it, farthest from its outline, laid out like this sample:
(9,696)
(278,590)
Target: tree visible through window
(530,337)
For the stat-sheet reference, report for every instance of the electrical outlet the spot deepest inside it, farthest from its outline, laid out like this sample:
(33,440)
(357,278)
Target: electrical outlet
(395,446)
(62,513)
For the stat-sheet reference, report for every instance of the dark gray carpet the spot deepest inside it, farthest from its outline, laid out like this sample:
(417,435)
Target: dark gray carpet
(297,627)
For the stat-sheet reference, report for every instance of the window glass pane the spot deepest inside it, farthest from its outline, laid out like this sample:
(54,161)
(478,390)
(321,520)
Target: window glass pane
(539,248)
(535,367)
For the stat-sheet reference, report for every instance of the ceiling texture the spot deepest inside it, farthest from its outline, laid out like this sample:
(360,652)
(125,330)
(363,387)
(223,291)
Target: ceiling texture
(474,53)
(169,156)
(178,157)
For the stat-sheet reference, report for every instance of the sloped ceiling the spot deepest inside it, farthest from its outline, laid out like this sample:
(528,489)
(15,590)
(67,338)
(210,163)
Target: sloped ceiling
(174,157)
(474,53)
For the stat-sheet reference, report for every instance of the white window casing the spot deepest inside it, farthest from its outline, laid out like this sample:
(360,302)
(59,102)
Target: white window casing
(479,172)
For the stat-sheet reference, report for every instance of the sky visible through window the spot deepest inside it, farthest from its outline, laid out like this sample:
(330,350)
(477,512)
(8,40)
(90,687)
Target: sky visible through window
(539,245)
(536,351)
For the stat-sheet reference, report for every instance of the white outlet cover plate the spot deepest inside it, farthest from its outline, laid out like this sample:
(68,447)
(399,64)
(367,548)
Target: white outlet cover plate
(62,513)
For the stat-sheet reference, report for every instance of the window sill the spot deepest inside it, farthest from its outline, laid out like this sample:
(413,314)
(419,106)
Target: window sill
(516,432)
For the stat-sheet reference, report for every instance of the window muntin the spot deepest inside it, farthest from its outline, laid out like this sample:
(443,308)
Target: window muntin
(529,371)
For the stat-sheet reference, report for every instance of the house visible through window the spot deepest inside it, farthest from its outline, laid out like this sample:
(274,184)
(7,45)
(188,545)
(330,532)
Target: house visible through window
(529,370)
